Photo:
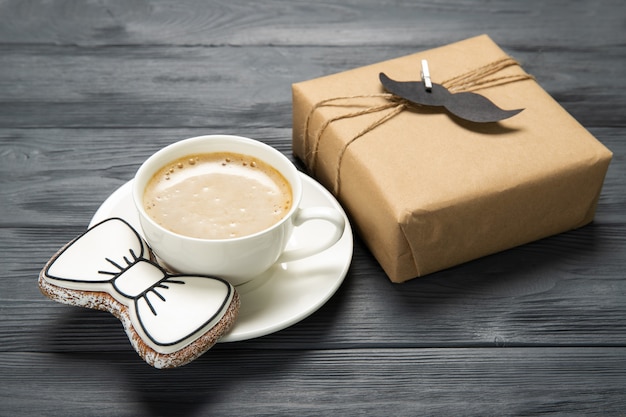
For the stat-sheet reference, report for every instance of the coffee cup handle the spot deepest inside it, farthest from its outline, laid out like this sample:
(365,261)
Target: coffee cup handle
(315,213)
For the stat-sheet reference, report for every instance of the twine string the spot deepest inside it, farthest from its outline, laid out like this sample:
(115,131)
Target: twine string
(473,80)
(311,155)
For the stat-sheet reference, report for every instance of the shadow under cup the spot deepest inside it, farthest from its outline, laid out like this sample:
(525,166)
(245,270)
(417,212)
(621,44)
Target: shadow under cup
(238,259)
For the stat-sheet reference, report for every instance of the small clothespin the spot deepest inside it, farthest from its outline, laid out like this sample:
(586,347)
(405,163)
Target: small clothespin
(426,76)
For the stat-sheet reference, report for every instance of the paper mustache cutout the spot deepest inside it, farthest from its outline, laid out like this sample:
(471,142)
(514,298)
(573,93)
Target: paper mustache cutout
(468,106)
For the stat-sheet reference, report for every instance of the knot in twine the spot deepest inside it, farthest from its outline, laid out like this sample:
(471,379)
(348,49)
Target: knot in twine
(473,80)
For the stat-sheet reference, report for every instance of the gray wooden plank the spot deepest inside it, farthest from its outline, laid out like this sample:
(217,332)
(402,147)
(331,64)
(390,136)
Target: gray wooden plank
(301,22)
(485,382)
(226,87)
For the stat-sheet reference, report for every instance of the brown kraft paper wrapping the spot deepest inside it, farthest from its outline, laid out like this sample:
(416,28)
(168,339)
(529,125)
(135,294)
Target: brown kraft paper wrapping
(428,191)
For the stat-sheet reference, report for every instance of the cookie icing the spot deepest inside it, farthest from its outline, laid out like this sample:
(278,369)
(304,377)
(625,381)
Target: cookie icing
(167,311)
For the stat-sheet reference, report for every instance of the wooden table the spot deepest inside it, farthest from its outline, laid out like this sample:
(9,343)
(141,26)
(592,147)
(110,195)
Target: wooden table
(90,89)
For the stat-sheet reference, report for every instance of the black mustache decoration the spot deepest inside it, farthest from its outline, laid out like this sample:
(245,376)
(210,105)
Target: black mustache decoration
(468,106)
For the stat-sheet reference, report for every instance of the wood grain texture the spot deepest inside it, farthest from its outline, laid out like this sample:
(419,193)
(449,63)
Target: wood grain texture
(90,89)
(305,23)
(131,87)
(487,382)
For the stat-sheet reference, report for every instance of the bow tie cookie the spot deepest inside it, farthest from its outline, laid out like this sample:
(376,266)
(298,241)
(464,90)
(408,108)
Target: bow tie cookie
(170,319)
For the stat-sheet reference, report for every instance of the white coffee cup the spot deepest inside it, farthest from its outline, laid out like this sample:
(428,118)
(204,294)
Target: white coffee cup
(238,259)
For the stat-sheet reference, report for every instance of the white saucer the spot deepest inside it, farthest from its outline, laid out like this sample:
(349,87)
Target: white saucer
(288,292)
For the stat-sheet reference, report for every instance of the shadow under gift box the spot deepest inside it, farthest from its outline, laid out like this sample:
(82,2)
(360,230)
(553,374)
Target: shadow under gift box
(428,191)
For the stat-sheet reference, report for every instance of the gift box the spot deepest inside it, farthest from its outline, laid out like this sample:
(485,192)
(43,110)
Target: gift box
(427,190)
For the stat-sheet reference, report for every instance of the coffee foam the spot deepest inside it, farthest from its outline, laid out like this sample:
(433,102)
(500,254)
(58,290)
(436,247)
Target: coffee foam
(217,195)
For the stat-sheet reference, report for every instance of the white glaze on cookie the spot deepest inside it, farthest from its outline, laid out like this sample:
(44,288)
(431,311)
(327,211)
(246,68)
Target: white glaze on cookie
(167,311)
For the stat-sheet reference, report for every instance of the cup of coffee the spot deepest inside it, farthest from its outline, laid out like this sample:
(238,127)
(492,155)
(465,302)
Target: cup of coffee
(224,206)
